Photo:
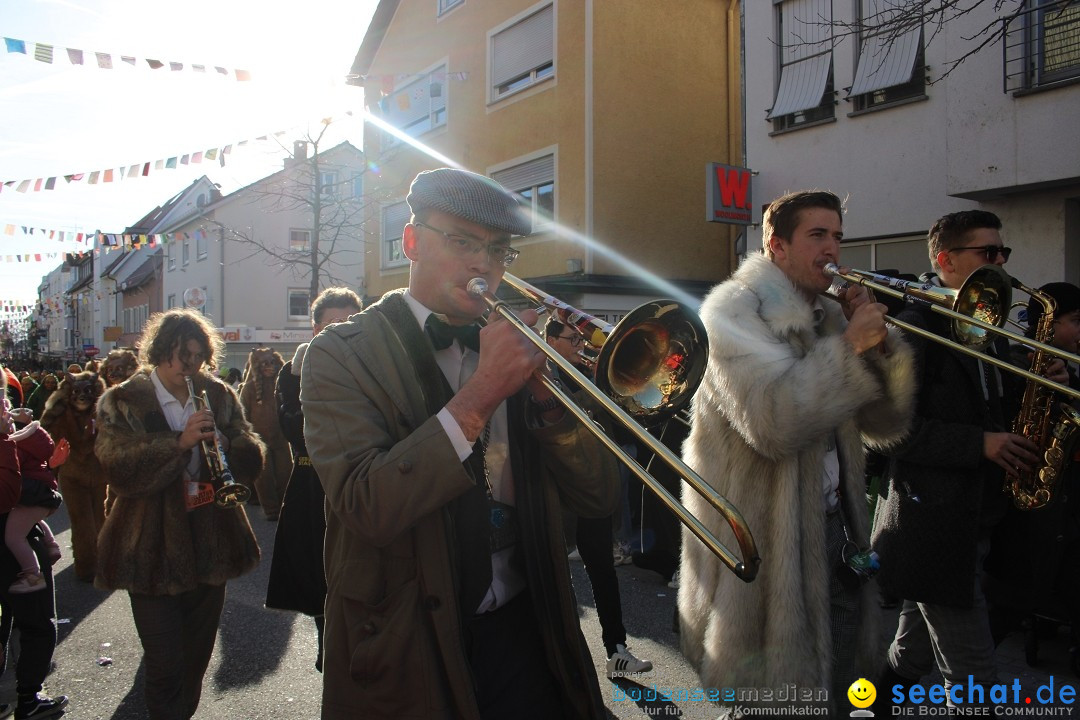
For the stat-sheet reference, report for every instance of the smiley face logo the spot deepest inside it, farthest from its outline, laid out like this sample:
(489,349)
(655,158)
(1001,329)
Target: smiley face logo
(862,693)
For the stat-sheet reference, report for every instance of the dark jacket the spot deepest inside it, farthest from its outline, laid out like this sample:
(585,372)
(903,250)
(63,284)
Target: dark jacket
(944,496)
(1029,547)
(297,580)
(393,638)
(150,542)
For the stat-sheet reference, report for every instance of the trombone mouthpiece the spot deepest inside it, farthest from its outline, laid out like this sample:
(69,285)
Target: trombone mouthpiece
(831,269)
(477,286)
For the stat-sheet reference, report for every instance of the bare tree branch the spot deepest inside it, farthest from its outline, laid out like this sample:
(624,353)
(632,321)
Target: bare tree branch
(896,18)
(336,219)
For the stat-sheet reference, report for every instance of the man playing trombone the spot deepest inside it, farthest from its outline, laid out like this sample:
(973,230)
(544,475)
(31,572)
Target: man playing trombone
(945,480)
(795,386)
(448,591)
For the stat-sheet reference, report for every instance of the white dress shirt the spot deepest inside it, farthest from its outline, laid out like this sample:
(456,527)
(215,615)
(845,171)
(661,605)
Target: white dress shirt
(458,364)
(177,416)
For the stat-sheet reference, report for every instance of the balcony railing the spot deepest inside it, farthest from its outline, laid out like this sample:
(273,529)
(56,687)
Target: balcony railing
(1042,45)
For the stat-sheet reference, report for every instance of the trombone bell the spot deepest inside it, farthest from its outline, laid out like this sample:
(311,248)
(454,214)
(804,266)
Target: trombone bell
(986,295)
(653,361)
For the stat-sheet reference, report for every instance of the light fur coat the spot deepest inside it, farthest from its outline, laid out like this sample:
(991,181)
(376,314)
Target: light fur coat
(773,392)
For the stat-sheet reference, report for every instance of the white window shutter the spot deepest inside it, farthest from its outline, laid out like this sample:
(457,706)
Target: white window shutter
(523,47)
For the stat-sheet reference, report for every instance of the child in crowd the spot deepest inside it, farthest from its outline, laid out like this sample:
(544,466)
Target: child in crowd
(37,455)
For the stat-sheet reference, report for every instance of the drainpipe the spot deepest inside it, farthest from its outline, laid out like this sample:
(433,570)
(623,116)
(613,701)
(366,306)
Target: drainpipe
(737,74)
(588,133)
(221,285)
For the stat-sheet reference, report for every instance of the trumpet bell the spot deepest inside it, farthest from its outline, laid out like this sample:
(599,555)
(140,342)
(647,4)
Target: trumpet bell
(653,361)
(986,295)
(231,495)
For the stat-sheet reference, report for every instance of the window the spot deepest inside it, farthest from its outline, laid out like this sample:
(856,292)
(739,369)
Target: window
(446,6)
(1042,45)
(394,219)
(890,59)
(298,305)
(299,240)
(186,257)
(171,303)
(417,107)
(535,182)
(328,184)
(805,91)
(522,54)
(358,185)
(200,245)
(170,254)
(900,256)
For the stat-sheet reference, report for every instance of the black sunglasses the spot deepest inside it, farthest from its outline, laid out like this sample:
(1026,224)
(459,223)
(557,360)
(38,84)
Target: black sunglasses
(991,251)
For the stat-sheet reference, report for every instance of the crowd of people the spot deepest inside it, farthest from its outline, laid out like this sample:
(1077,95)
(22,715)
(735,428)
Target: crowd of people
(428,484)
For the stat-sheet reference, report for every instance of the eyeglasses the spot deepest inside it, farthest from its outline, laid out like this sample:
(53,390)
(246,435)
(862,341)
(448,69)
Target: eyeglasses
(575,340)
(465,245)
(991,251)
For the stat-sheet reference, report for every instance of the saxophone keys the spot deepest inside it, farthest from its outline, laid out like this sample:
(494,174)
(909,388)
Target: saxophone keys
(1053,456)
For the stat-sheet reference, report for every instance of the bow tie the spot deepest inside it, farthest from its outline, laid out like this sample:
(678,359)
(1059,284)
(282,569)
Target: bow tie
(443,335)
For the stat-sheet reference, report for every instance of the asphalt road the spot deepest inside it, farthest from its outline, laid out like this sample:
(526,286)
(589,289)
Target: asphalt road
(263,664)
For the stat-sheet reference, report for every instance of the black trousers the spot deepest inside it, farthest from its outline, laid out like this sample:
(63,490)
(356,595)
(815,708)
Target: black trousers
(33,615)
(178,634)
(594,538)
(509,664)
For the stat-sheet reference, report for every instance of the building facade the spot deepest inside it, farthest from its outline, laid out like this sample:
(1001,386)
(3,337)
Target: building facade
(245,259)
(602,116)
(842,96)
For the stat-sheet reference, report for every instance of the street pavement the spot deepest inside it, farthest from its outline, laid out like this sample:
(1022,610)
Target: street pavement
(263,664)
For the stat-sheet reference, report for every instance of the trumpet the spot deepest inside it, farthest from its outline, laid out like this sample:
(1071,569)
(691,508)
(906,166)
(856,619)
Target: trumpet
(651,363)
(230,493)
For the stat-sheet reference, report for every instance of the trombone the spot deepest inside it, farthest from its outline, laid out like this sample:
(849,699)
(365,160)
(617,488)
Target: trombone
(978,309)
(652,362)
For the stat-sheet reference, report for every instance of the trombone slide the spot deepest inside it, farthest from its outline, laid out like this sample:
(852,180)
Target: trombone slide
(747,567)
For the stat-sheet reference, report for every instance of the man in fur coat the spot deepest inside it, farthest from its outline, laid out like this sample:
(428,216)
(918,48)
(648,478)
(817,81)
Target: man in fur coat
(444,466)
(795,387)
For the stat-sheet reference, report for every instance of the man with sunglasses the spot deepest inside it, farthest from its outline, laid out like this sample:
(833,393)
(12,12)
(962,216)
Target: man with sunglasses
(945,481)
(445,464)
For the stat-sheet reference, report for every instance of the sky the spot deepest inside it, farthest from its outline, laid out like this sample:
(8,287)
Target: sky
(63,119)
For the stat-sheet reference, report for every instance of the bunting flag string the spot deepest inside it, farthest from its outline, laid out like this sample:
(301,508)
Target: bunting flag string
(43,52)
(31,257)
(95,242)
(14,306)
(140,169)
(387,83)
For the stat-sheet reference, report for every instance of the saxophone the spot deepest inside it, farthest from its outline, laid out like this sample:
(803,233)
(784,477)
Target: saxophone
(230,493)
(1046,421)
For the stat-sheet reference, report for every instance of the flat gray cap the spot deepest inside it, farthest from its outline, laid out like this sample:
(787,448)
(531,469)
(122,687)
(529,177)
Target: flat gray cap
(469,196)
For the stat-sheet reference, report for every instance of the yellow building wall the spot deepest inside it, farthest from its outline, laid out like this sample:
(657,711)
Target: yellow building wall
(662,97)
(654,127)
